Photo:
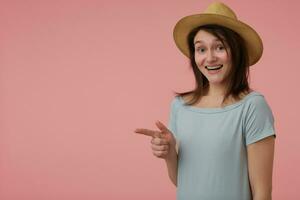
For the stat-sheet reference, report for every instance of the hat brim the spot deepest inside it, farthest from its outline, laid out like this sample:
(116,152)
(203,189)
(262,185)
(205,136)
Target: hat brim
(184,26)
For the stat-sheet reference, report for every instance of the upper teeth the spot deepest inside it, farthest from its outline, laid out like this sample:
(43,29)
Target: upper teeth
(213,67)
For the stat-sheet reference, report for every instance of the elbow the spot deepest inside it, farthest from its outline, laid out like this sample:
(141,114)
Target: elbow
(174,180)
(175,183)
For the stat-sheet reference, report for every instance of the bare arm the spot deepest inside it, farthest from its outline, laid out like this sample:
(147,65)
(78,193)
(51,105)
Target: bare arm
(164,146)
(260,165)
(172,164)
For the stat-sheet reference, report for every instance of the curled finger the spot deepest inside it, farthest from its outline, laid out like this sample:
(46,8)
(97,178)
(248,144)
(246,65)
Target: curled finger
(160,147)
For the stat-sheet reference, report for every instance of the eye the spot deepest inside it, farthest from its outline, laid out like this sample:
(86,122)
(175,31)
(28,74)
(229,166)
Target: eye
(220,48)
(200,49)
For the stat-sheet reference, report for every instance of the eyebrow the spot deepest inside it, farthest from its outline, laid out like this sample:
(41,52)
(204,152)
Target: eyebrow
(200,41)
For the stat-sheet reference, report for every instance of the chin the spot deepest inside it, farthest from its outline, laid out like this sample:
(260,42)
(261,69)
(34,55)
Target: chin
(214,81)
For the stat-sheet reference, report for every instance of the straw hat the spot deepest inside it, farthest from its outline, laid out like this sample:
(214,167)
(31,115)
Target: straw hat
(220,14)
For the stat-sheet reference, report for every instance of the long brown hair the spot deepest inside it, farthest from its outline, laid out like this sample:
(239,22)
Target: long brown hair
(239,72)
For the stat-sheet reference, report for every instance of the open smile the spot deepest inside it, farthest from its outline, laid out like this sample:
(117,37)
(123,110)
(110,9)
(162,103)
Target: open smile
(215,67)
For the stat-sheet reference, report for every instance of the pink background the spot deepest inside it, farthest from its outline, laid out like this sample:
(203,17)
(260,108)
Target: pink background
(78,78)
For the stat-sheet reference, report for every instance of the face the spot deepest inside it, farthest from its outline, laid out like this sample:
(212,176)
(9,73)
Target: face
(212,57)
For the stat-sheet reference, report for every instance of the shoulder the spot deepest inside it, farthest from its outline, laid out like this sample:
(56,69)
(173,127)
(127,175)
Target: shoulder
(176,102)
(256,100)
(257,106)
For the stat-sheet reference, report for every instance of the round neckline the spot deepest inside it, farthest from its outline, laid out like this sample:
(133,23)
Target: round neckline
(215,109)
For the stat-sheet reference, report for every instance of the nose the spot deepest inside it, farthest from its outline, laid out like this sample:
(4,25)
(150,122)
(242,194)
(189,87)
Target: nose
(211,57)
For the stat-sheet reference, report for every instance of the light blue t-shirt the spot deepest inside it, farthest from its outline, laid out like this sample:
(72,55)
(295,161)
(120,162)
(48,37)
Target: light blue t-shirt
(212,157)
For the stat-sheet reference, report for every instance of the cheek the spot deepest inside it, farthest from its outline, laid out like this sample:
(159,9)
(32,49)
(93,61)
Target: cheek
(199,61)
(227,57)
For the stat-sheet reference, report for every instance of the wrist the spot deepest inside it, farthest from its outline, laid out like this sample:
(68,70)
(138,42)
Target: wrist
(171,155)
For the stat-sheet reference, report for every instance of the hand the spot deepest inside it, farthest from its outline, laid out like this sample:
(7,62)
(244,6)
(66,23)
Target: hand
(163,142)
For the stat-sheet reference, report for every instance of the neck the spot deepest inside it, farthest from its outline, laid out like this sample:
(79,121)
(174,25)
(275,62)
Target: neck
(216,90)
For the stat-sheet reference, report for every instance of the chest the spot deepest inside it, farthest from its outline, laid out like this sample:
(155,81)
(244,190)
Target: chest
(219,132)
(211,102)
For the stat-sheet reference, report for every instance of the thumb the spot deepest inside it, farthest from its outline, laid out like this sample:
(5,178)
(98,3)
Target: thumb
(162,127)
(166,132)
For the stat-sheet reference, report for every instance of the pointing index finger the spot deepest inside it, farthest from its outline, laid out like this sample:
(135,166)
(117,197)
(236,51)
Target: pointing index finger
(147,132)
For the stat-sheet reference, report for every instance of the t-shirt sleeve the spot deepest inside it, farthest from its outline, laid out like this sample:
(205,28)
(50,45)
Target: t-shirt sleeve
(172,121)
(172,116)
(259,121)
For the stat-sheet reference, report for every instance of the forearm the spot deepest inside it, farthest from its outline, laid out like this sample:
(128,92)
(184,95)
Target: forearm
(172,164)
(261,191)
(262,196)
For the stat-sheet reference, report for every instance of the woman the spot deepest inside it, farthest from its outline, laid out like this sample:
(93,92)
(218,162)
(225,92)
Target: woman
(219,144)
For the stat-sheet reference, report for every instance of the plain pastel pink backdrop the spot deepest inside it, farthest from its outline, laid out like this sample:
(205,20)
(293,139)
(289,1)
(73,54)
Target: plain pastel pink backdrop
(77,77)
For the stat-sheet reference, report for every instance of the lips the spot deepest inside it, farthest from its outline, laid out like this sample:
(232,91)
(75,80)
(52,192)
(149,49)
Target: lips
(215,67)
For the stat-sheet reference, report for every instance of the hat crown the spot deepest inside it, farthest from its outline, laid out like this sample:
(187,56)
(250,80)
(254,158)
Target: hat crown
(220,9)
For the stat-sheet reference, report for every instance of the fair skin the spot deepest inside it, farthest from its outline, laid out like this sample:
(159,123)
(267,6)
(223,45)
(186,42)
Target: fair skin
(163,145)
(209,51)
(260,167)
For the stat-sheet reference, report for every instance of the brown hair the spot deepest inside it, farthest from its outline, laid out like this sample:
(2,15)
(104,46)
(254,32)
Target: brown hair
(239,72)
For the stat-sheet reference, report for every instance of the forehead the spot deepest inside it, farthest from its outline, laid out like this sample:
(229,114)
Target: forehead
(205,37)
